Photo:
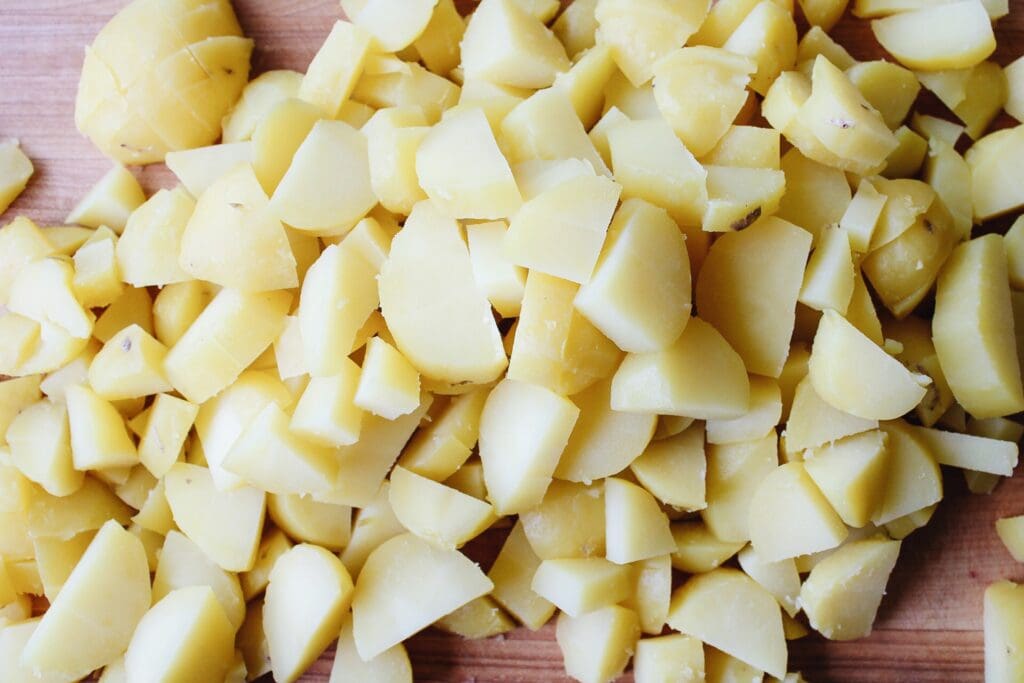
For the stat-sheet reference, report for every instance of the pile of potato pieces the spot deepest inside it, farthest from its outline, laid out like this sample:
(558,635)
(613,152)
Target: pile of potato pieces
(509,227)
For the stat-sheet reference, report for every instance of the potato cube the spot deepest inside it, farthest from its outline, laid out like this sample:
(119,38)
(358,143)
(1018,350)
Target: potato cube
(40,442)
(739,196)
(512,574)
(766,35)
(502,281)
(16,395)
(389,385)
(176,307)
(234,216)
(1004,602)
(651,590)
(569,522)
(746,147)
(111,583)
(674,657)
(308,596)
(183,563)
(585,81)
(851,474)
(816,195)
(390,666)
(828,279)
(518,463)
(337,65)
(635,527)
(580,585)
(764,413)
(162,441)
(438,45)
(887,87)
(698,550)
(576,26)
(199,168)
(441,448)
(406,585)
(995,190)
(21,243)
(437,513)
(110,202)
(504,44)
(682,371)
(408,85)
(97,280)
(86,509)
(966,451)
(326,413)
(311,521)
(393,24)
(479,618)
(674,469)
(15,170)
(780,578)
(957,35)
(1011,532)
(597,645)
(861,216)
(130,365)
(393,137)
(99,436)
(734,472)
(43,292)
(914,482)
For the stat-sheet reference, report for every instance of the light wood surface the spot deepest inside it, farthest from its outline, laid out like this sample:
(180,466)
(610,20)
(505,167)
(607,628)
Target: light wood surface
(929,628)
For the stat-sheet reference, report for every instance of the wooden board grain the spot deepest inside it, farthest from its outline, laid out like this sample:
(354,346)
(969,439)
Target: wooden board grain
(929,628)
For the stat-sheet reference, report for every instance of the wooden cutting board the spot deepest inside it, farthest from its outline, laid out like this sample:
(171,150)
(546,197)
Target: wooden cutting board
(929,628)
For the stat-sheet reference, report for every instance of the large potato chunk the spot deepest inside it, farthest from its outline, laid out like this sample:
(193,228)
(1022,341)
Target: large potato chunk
(92,620)
(1004,639)
(635,527)
(728,610)
(160,76)
(596,646)
(956,35)
(752,300)
(406,585)
(440,319)
(973,329)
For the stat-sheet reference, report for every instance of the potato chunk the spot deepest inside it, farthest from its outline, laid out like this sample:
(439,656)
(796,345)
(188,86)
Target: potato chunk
(596,646)
(580,585)
(1004,603)
(956,35)
(40,443)
(669,658)
(437,513)
(994,185)
(734,472)
(851,473)
(390,666)
(635,527)
(914,480)
(674,469)
(183,563)
(15,170)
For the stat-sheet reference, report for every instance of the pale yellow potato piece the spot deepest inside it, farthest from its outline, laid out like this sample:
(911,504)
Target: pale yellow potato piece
(163,439)
(87,509)
(738,196)
(764,413)
(438,45)
(21,243)
(576,25)
(779,577)
(15,170)
(681,78)
(828,279)
(813,422)
(147,253)
(199,168)
(91,622)
(389,385)
(405,585)
(698,550)
(889,88)
(861,217)
(55,559)
(307,598)
(768,36)
(335,68)
(569,522)
(326,413)
(674,469)
(110,202)
(597,646)
(729,611)
(953,35)
(842,594)
(746,147)
(130,365)
(309,521)
(651,590)
(585,81)
(506,45)
(1003,637)
(393,138)
(635,527)
(390,666)
(995,190)
(512,574)
(734,472)
(407,85)
(546,126)
(524,428)
(786,494)
(969,452)
(676,381)
(750,301)
(1011,532)
(973,311)
(13,637)
(580,585)
(638,295)
(176,307)
(99,436)
(280,131)
(393,24)
(440,319)
(851,473)
(182,564)
(373,524)
(43,291)
(580,211)
(259,96)
(477,619)
(503,282)
(16,395)
(230,333)
(854,375)
(437,513)
(440,450)
(39,438)
(816,195)
(914,480)
(97,281)
(674,657)
(226,524)
(327,186)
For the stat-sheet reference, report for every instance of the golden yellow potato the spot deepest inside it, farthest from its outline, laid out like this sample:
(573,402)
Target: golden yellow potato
(734,472)
(437,513)
(326,413)
(43,291)
(766,35)
(477,619)
(597,646)
(182,564)
(546,126)
(512,574)
(956,35)
(390,666)
(1003,604)
(674,657)
(914,482)
(40,447)
(746,147)
(816,195)
(580,585)
(851,473)
(635,527)
(969,452)
(15,171)
(673,469)
(337,65)
(780,578)
(440,450)
(554,532)
(698,550)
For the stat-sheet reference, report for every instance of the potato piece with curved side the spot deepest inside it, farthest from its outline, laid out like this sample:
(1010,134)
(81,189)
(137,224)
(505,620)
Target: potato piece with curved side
(109,588)
(973,329)
(440,319)
(851,473)
(780,578)
(374,524)
(580,585)
(569,522)
(730,611)
(310,521)
(733,474)
(856,376)
(184,636)
(768,36)
(664,657)
(698,550)
(674,469)
(147,253)
(39,438)
(842,594)
(99,435)
(43,291)
(307,598)
(596,646)
(956,35)
(1003,637)
(390,666)
(635,527)
(406,585)
(914,482)
(183,563)
(437,513)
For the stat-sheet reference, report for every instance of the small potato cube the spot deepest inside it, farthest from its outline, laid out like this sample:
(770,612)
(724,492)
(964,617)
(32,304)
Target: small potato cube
(389,385)
(842,593)
(406,585)
(1014,242)
(673,657)
(176,307)
(43,291)
(130,365)
(698,550)
(862,215)
(523,430)
(199,168)
(576,26)
(816,195)
(887,87)
(1004,603)
(441,448)
(182,563)
(15,170)
(639,293)
(253,582)
(673,469)
(914,482)
(479,618)
(326,413)
(734,472)
(393,137)
(163,439)
(505,45)
(993,173)
(906,160)
(597,645)
(393,24)
(746,147)
(568,522)
(226,525)
(828,279)
(438,45)
(739,196)
(390,666)
(683,371)
(635,527)
(110,202)
(966,451)
(99,436)
(851,473)
(780,578)
(65,517)
(337,65)
(16,395)
(764,413)
(408,85)
(260,95)
(437,513)
(503,282)
(651,591)
(308,596)
(585,81)
(512,574)
(21,243)
(230,333)
(311,521)
(766,35)
(40,444)
(580,585)
(957,35)
(97,280)
(111,583)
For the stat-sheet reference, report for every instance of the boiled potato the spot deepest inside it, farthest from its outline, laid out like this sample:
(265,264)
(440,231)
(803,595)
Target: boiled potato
(40,447)
(597,645)
(667,658)
(734,472)
(914,481)
(580,585)
(779,577)
(512,574)
(437,513)
(635,527)
(326,413)
(554,534)
(673,469)
(182,564)
(390,666)
(337,65)
(698,550)
(440,450)
(767,35)
(851,474)
(959,35)
(1003,603)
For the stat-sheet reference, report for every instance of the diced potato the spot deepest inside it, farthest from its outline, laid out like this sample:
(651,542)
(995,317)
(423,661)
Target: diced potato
(887,87)
(698,550)
(87,509)
(308,596)
(43,291)
(111,584)
(746,147)
(388,385)
(764,413)
(438,45)
(163,439)
(816,195)
(15,170)
(504,44)
(512,574)
(651,590)
(13,638)
(733,291)
(1003,639)
(258,97)
(576,26)
(673,469)
(40,442)
(908,157)
(440,450)
(734,472)
(972,311)
(407,85)
(914,480)
(182,564)
(828,279)
(739,196)
(851,473)
(581,585)
(547,126)
(393,24)
(390,666)
(437,513)
(995,190)
(635,527)
(393,138)
(674,657)
(199,168)
(842,594)
(768,36)
(780,578)
(110,202)
(477,619)
(56,558)
(16,395)
(398,592)
(97,280)
(970,452)
(310,521)
(253,582)
(337,65)
(1011,532)
(326,413)
(862,215)
(956,35)
(823,13)
(99,436)
(503,282)
(597,646)
(226,525)
(728,610)
(789,493)
(440,320)
(569,522)
(130,365)
(584,83)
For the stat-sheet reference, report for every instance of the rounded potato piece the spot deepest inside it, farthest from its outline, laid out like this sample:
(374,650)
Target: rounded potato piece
(853,374)
(437,513)
(390,666)
(310,521)
(957,35)
(394,24)
(183,563)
